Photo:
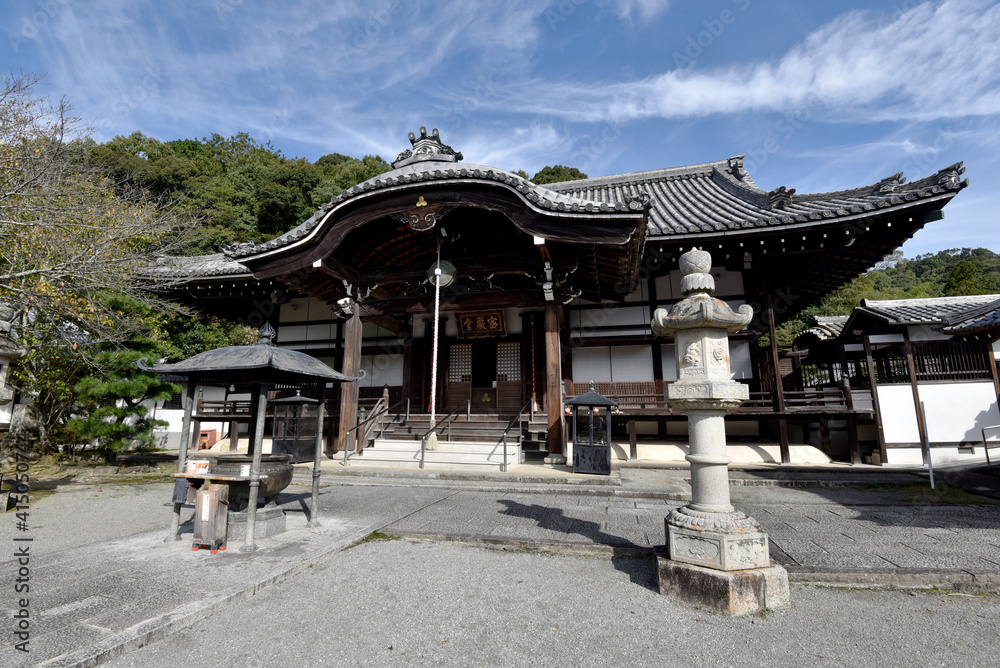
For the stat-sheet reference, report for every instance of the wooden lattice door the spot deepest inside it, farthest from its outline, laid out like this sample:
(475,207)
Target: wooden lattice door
(459,375)
(509,385)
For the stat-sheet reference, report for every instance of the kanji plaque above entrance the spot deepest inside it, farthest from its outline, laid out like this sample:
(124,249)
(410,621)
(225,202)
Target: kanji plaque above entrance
(475,324)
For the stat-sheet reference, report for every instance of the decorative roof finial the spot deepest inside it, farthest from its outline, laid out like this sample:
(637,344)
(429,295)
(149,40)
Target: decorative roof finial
(426,148)
(267,333)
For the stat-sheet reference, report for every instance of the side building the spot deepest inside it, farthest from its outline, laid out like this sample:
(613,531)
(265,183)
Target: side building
(927,369)
(552,287)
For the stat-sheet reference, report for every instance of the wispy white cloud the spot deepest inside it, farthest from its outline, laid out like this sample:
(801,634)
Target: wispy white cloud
(644,10)
(933,61)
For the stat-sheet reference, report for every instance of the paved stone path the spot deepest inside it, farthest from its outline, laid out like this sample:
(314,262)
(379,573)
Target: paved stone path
(103,583)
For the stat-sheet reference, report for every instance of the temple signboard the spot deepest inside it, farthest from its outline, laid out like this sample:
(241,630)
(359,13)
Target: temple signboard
(478,324)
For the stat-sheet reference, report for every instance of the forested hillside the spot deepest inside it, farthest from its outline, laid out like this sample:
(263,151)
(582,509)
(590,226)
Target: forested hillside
(957,271)
(241,190)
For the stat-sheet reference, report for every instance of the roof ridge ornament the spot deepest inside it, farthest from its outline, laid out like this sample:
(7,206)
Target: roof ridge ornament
(426,148)
(890,184)
(948,176)
(736,166)
(780,197)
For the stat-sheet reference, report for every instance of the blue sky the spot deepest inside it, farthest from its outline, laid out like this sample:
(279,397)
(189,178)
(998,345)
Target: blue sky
(818,95)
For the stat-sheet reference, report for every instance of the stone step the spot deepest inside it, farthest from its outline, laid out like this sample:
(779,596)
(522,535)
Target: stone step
(448,455)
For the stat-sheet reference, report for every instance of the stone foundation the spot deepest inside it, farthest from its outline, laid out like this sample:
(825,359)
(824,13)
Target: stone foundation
(270,521)
(729,592)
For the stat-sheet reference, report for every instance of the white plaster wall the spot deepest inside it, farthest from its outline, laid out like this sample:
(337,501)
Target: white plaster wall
(959,411)
(955,411)
(899,420)
(912,457)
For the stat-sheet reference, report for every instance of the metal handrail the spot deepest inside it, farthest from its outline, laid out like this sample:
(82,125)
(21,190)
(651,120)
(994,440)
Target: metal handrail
(373,416)
(449,417)
(986,445)
(517,419)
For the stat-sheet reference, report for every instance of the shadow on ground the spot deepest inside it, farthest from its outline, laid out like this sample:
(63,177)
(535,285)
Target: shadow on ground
(626,555)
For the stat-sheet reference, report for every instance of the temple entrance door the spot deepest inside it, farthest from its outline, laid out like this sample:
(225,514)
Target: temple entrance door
(487,373)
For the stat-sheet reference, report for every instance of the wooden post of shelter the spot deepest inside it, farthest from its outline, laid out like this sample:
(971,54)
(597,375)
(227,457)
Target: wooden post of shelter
(175,521)
(317,456)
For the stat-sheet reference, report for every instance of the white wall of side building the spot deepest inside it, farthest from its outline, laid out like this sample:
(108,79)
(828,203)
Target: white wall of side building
(955,416)
(169,436)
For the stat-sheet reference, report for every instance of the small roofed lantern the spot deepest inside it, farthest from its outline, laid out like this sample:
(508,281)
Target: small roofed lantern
(294,427)
(591,432)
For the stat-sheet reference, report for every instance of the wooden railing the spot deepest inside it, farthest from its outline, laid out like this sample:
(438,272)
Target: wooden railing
(222,407)
(631,397)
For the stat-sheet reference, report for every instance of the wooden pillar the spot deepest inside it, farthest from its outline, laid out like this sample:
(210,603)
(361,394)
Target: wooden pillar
(779,390)
(852,423)
(407,335)
(658,379)
(873,381)
(352,367)
(234,435)
(991,364)
(911,370)
(553,385)
(633,451)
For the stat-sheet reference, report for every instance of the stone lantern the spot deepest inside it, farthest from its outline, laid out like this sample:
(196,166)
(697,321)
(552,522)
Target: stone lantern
(718,557)
(591,432)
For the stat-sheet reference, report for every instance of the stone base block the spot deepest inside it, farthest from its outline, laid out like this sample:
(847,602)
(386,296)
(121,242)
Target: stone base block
(555,460)
(723,550)
(729,592)
(269,521)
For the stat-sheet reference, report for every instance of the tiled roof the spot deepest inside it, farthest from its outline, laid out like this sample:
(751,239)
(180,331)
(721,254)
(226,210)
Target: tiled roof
(827,327)
(930,311)
(720,196)
(198,266)
(429,172)
(983,319)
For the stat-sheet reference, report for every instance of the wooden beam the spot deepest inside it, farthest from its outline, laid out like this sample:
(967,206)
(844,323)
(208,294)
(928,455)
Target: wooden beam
(334,267)
(394,325)
(421,305)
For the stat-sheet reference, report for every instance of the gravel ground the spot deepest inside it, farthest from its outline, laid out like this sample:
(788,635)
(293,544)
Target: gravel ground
(386,603)
(86,513)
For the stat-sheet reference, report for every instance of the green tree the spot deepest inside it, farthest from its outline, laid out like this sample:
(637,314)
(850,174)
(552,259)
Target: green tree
(557,174)
(116,393)
(70,234)
(965,279)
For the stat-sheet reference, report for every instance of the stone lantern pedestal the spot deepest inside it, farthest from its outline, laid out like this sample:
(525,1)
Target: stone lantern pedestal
(717,556)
